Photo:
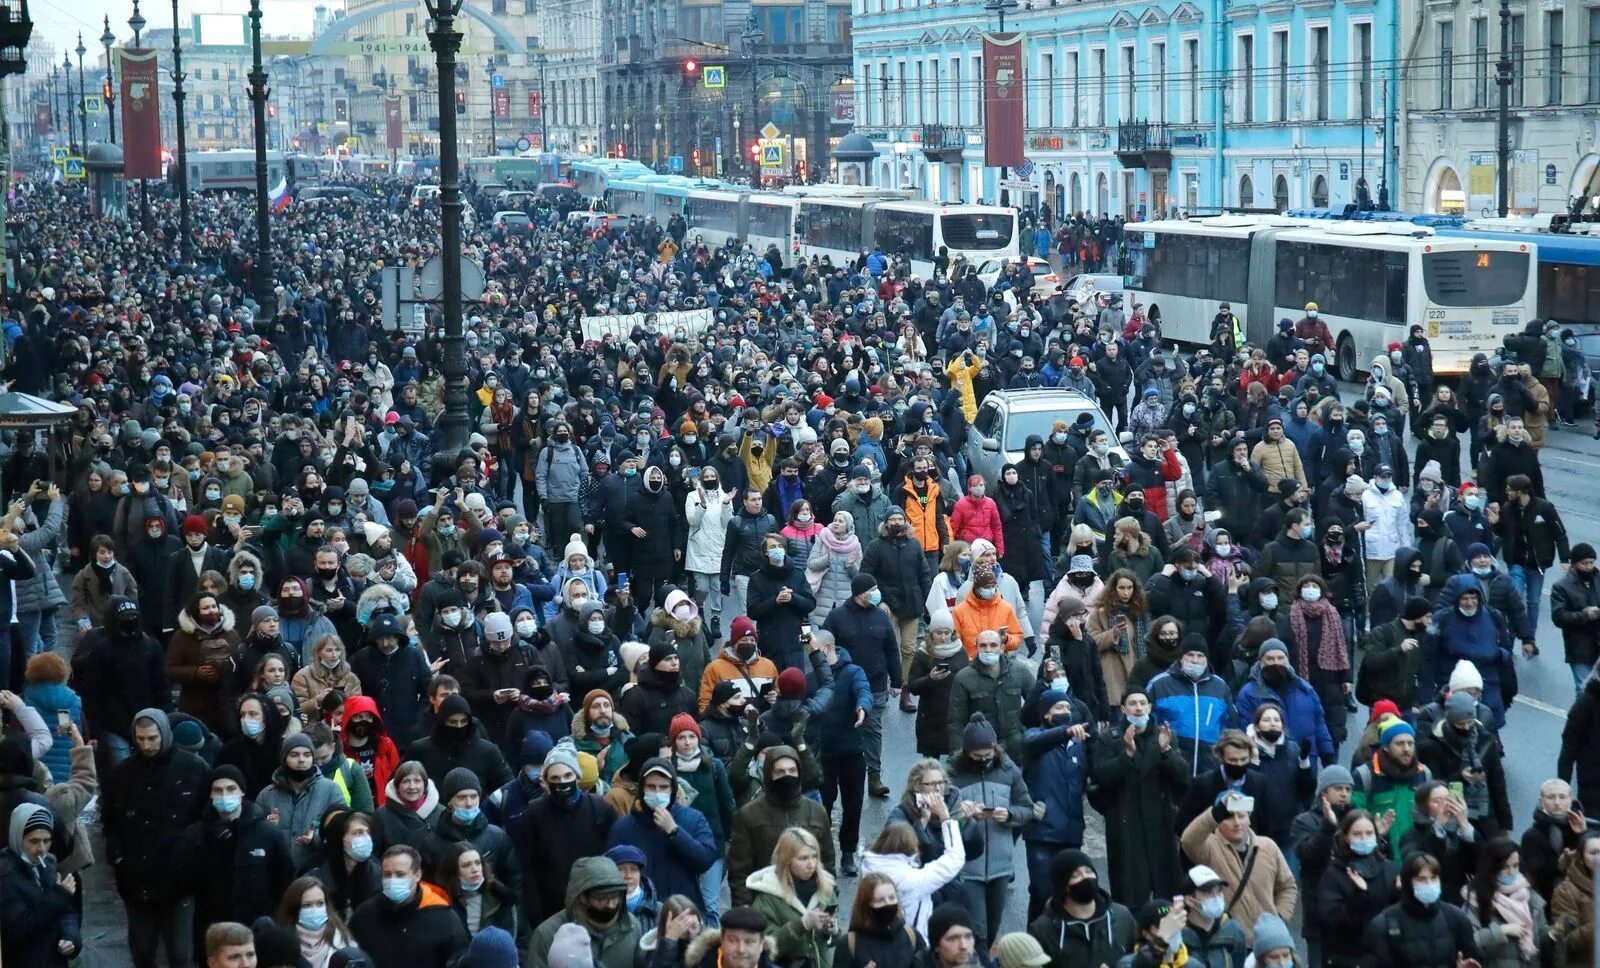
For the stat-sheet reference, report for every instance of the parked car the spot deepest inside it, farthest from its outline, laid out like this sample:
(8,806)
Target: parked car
(508,223)
(1090,285)
(1045,279)
(422,194)
(1007,418)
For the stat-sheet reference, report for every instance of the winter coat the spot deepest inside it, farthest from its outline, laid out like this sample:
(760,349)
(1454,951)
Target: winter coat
(49,698)
(439,753)
(1580,635)
(873,641)
(208,700)
(675,861)
(36,913)
(1344,910)
(1057,775)
(688,638)
(1100,939)
(1000,697)
(917,883)
(1020,516)
(783,909)
(422,931)
(1302,711)
(1270,888)
(778,623)
(91,599)
(1447,752)
(707,522)
(489,838)
(1499,950)
(309,683)
(237,869)
(553,838)
(146,805)
(1542,846)
(830,575)
(652,556)
(975,518)
(1197,711)
(1572,905)
(43,592)
(1138,797)
(302,812)
(117,677)
(758,825)
(652,702)
(398,683)
(934,695)
(999,786)
(901,568)
(1381,787)
(395,823)
(1408,935)
(1200,603)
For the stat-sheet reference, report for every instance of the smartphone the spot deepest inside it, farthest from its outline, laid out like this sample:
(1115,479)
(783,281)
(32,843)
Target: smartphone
(1458,790)
(622,581)
(805,631)
(943,667)
(692,473)
(63,722)
(831,909)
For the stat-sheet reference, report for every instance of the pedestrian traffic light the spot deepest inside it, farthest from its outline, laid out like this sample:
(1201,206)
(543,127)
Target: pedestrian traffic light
(691,67)
(695,155)
(461,102)
(105,91)
(272,110)
(755,151)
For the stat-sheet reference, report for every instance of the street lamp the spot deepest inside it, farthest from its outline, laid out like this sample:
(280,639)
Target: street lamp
(494,106)
(1503,122)
(83,95)
(446,42)
(136,24)
(258,105)
(185,246)
(1000,7)
(72,129)
(106,40)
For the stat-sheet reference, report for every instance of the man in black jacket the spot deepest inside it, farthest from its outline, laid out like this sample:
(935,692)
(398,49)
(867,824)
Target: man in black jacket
(1194,597)
(235,861)
(860,621)
(556,830)
(419,929)
(1532,537)
(1575,610)
(147,802)
(742,553)
(897,563)
(119,670)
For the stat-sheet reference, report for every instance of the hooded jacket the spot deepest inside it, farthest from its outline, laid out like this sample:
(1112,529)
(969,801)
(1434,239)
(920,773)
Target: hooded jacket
(145,806)
(422,931)
(615,946)
(1484,639)
(1408,934)
(1197,710)
(237,869)
(118,675)
(36,913)
(758,825)
(1100,939)
(676,860)
(190,649)
(301,812)
(1302,710)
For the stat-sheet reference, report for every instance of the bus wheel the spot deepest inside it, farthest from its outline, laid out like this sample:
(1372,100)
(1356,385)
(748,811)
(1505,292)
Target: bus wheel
(1345,359)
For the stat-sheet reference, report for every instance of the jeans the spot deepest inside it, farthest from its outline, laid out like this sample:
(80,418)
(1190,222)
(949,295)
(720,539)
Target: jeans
(1529,581)
(711,893)
(38,631)
(986,902)
(707,592)
(734,604)
(845,776)
(1580,675)
(150,925)
(1044,545)
(872,732)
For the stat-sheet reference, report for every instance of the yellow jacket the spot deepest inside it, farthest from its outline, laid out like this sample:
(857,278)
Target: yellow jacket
(961,377)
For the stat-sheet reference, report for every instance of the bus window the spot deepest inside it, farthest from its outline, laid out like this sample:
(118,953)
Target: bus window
(1569,291)
(908,234)
(978,230)
(769,221)
(1474,278)
(834,227)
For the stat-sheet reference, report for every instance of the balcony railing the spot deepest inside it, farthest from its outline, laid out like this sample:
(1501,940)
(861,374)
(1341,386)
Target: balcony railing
(943,137)
(1144,136)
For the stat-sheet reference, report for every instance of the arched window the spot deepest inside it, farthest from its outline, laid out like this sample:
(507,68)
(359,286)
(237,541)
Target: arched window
(1247,192)
(1319,193)
(1280,194)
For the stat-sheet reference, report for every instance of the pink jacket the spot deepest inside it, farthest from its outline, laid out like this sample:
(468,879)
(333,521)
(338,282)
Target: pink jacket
(976,518)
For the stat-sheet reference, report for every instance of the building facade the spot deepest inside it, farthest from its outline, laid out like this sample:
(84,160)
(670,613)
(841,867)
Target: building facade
(1452,99)
(780,62)
(571,30)
(1138,109)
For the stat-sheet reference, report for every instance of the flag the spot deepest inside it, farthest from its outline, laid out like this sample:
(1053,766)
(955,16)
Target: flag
(141,114)
(1003,73)
(280,197)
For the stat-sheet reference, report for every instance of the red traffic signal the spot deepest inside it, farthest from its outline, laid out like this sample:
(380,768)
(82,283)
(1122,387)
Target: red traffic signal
(755,150)
(691,66)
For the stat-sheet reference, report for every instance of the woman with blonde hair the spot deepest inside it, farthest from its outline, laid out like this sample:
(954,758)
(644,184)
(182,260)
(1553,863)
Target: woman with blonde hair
(955,567)
(1119,624)
(327,671)
(795,893)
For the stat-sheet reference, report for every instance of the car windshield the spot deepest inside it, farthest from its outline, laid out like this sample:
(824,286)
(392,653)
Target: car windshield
(1023,423)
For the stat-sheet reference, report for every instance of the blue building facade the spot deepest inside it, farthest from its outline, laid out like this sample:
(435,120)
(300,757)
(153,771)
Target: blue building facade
(1141,108)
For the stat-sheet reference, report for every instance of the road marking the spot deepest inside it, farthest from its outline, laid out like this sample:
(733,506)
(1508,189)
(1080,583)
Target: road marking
(1543,707)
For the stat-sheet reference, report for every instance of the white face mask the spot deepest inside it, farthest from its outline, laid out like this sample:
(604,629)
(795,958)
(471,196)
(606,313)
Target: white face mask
(525,627)
(1269,601)
(597,626)
(1311,593)
(683,612)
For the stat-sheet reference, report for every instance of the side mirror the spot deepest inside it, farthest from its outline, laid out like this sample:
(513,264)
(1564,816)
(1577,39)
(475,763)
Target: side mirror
(991,444)
(1125,439)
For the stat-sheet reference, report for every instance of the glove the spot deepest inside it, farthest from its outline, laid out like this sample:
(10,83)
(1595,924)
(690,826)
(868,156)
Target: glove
(1032,645)
(798,735)
(727,587)
(1305,749)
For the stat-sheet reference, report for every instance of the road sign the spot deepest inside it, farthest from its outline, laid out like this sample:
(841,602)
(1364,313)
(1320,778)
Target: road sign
(674,163)
(431,281)
(1025,170)
(91,104)
(497,80)
(770,131)
(714,77)
(772,155)
(59,154)
(1018,185)
(73,167)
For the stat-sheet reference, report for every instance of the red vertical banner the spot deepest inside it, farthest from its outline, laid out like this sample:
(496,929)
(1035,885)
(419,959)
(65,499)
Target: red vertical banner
(141,114)
(41,118)
(392,120)
(535,105)
(1003,71)
(502,103)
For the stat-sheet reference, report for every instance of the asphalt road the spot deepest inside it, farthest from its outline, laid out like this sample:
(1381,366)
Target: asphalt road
(1532,734)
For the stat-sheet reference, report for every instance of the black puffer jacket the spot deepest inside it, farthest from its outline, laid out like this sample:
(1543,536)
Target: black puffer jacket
(1579,751)
(902,573)
(1409,935)
(652,702)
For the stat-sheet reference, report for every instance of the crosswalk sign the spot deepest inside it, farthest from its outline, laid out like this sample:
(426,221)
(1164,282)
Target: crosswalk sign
(91,104)
(772,155)
(72,167)
(59,154)
(715,77)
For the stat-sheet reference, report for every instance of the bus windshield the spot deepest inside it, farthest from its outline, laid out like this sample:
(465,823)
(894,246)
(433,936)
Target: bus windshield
(978,230)
(1475,278)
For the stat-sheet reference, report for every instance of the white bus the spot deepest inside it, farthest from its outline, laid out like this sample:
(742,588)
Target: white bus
(1371,282)
(232,170)
(841,228)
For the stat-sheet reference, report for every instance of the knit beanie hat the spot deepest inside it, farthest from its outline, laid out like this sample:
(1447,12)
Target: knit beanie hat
(1330,776)
(564,754)
(1393,729)
(978,734)
(1465,676)
(570,949)
(792,684)
(945,917)
(494,947)
(682,723)
(862,583)
(1271,935)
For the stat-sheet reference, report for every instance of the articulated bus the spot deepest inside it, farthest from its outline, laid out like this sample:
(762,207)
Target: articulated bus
(840,228)
(1371,282)
(1568,261)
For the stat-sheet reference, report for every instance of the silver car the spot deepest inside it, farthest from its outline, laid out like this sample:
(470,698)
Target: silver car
(1007,418)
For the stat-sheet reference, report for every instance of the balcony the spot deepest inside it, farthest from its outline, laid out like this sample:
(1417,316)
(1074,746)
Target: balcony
(1144,144)
(943,142)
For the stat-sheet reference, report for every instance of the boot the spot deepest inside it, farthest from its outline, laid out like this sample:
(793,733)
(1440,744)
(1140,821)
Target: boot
(907,704)
(875,785)
(847,865)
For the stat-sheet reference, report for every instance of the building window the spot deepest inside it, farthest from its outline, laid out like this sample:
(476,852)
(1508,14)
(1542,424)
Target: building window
(1319,64)
(1554,22)
(499,7)
(1447,65)
(1319,193)
(1158,64)
(1047,96)
(1280,81)
(955,90)
(1594,56)
(1130,84)
(883,91)
(1191,57)
(1098,116)
(1480,62)
(1280,194)
(1247,192)
(1077,92)
(1519,35)
(902,110)
(1244,103)
(1364,79)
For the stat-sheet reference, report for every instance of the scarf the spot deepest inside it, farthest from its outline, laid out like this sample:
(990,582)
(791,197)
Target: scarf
(1511,906)
(835,545)
(1331,656)
(1137,631)
(316,949)
(945,651)
(541,707)
(503,414)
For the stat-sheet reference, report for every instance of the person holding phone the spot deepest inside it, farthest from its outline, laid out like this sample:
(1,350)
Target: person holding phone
(799,899)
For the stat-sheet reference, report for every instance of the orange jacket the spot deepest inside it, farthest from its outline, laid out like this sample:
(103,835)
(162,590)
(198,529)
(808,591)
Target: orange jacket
(928,523)
(977,614)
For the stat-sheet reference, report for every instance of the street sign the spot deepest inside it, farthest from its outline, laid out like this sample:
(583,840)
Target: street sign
(1025,170)
(1018,185)
(770,131)
(714,77)
(674,163)
(497,80)
(73,167)
(772,155)
(59,154)
(91,104)
(502,103)
(431,281)
(1549,174)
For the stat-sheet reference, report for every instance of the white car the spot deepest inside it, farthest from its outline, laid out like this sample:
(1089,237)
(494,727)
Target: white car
(424,193)
(1087,285)
(1044,277)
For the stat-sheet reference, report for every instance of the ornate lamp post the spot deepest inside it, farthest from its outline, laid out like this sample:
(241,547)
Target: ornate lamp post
(258,104)
(185,244)
(72,129)
(446,42)
(136,24)
(1502,77)
(16,27)
(110,93)
(83,95)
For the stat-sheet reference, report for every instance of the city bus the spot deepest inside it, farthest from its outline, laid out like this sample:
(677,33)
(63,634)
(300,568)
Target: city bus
(1371,282)
(592,176)
(233,169)
(1568,261)
(839,228)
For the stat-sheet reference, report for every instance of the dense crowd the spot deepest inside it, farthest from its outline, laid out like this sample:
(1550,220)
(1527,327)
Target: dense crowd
(608,685)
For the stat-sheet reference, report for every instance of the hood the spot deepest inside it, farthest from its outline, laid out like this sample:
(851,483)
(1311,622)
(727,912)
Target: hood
(236,564)
(362,704)
(187,624)
(430,800)
(379,596)
(1404,556)
(19,821)
(775,753)
(593,874)
(163,725)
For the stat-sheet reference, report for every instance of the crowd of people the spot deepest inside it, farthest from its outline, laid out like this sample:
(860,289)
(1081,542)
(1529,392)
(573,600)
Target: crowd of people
(607,685)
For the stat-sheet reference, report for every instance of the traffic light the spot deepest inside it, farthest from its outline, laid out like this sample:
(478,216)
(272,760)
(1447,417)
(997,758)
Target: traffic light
(461,102)
(691,67)
(755,151)
(272,110)
(695,156)
(105,91)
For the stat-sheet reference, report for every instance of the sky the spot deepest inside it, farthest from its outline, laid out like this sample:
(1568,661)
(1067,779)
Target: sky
(58,21)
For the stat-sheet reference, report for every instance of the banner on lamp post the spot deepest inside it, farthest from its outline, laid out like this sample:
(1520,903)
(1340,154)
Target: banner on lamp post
(1003,99)
(392,120)
(41,118)
(141,113)
(502,103)
(535,105)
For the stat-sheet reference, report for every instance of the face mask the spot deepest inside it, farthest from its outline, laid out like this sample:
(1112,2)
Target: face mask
(785,788)
(1467,612)
(466,814)
(745,651)
(1059,438)
(1312,314)
(313,918)
(1084,891)
(1059,684)
(1508,880)
(1517,438)
(252,727)
(876,598)
(1311,593)
(1269,602)
(1213,907)
(1235,772)
(1427,894)
(1194,670)
(978,491)
(450,619)
(1484,571)
(657,800)
(1139,722)
(1307,531)
(775,555)
(397,889)
(1474,501)
(1224,550)
(989,658)
(597,626)
(156,532)
(525,628)
(1101,450)
(226,805)
(1189,574)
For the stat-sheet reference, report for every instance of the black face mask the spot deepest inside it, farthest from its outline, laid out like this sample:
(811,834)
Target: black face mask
(1275,676)
(361,730)
(128,625)
(1270,735)
(563,791)
(327,574)
(1235,773)
(785,788)
(602,915)
(542,692)
(1083,891)
(299,776)
(886,915)
(745,651)
(456,734)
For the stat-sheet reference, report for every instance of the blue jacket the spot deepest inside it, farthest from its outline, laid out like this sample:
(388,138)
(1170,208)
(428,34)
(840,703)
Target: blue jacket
(835,728)
(873,636)
(1302,712)
(675,861)
(1484,640)
(1197,713)
(1057,774)
(47,697)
